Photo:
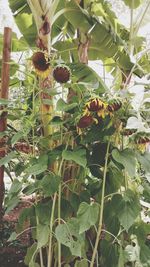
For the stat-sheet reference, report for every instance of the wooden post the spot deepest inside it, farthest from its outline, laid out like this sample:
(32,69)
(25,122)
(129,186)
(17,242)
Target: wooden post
(4,95)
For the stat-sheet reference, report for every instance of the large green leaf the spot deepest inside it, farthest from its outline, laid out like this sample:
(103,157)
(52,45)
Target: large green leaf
(127,159)
(42,235)
(87,216)
(17,5)
(85,74)
(50,184)
(39,166)
(43,212)
(127,208)
(63,106)
(31,251)
(78,156)
(68,235)
(144,159)
(133,3)
(84,21)
(24,20)
(7,158)
(15,187)
(11,203)
(82,263)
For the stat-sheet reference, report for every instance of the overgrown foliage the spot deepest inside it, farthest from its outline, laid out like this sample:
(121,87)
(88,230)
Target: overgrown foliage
(79,148)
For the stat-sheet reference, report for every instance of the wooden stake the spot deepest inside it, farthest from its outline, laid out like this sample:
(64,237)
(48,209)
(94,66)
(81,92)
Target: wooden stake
(4,95)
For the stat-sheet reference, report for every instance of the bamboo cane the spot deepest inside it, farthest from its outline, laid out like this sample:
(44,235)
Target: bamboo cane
(4,95)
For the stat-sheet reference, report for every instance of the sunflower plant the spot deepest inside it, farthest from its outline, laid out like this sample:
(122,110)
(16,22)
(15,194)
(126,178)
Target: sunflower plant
(78,147)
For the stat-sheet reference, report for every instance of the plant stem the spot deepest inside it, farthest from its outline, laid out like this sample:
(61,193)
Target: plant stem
(101,208)
(141,19)
(59,213)
(131,29)
(40,250)
(59,221)
(51,227)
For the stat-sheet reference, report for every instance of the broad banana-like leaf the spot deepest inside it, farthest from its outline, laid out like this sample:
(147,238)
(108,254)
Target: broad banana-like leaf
(104,41)
(24,20)
(143,17)
(17,44)
(133,3)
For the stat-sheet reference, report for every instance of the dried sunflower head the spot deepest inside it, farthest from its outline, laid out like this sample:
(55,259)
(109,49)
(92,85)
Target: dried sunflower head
(41,64)
(85,121)
(61,74)
(114,105)
(95,104)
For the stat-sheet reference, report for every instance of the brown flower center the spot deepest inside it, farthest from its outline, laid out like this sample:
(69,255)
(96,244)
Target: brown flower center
(39,61)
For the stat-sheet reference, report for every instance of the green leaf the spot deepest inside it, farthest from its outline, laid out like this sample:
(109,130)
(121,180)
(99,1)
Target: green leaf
(82,263)
(141,229)
(43,212)
(127,208)
(42,235)
(15,187)
(145,255)
(144,159)
(30,254)
(12,237)
(121,257)
(31,188)
(24,20)
(68,235)
(7,158)
(127,159)
(87,216)
(63,106)
(16,137)
(78,156)
(26,215)
(11,204)
(4,101)
(38,167)
(50,184)
(133,3)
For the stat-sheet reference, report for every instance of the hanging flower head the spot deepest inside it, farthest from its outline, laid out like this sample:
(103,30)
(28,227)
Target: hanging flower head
(41,64)
(142,140)
(114,105)
(85,121)
(61,74)
(96,105)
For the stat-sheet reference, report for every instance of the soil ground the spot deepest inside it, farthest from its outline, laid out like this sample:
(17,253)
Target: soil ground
(12,254)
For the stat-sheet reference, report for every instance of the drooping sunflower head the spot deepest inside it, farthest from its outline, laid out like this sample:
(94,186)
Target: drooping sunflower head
(41,64)
(85,121)
(114,105)
(142,140)
(61,73)
(95,104)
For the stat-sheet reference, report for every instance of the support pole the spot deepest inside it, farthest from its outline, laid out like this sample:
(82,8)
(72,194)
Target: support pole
(4,95)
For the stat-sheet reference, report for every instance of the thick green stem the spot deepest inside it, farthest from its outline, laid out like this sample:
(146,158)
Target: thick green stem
(40,250)
(59,212)
(131,29)
(51,228)
(101,209)
(59,221)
